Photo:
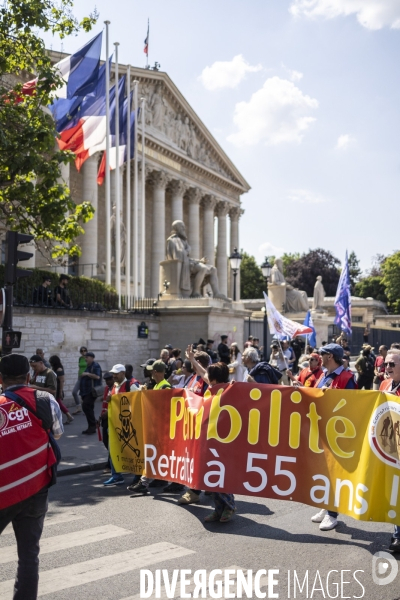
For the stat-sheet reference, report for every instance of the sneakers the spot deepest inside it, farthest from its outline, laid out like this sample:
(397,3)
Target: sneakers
(156,483)
(214,516)
(89,431)
(328,523)
(138,488)
(77,411)
(319,517)
(114,481)
(174,487)
(394,545)
(189,498)
(227,515)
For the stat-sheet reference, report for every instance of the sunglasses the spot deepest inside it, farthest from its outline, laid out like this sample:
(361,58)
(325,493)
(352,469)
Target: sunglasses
(390,364)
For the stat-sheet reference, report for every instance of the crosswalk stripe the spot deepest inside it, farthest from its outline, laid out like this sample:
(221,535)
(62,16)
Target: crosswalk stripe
(78,574)
(68,540)
(190,588)
(56,519)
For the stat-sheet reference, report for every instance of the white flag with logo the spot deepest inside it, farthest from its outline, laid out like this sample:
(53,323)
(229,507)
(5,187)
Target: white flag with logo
(280,325)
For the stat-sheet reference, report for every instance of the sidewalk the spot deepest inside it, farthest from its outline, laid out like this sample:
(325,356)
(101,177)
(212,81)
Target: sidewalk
(80,452)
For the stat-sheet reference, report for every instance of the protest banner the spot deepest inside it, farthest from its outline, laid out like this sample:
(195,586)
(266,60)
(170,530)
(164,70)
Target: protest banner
(334,449)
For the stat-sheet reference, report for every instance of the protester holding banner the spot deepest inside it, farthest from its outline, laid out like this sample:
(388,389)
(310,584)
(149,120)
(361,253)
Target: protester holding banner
(309,376)
(334,376)
(391,385)
(259,371)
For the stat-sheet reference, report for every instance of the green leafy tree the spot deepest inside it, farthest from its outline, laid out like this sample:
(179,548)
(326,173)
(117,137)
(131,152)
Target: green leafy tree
(354,270)
(33,197)
(252,282)
(288,258)
(371,287)
(391,280)
(302,273)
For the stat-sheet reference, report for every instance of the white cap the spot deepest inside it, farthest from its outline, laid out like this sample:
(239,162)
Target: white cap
(118,369)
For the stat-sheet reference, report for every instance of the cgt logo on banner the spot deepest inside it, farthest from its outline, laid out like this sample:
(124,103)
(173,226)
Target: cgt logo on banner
(13,418)
(335,449)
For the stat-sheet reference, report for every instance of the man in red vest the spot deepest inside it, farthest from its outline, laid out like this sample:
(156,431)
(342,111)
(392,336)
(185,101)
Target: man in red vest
(334,376)
(391,385)
(26,461)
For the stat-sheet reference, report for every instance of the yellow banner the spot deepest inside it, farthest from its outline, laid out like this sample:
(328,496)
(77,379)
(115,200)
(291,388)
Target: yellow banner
(334,449)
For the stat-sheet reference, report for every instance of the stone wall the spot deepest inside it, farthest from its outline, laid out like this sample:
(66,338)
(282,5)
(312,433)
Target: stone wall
(112,337)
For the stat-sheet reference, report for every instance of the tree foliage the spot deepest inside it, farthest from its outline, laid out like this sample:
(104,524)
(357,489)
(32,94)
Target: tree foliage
(371,287)
(252,282)
(302,273)
(354,270)
(288,258)
(391,280)
(33,198)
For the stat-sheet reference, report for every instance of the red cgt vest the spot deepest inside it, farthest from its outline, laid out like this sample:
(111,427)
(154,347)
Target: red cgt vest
(26,456)
(340,381)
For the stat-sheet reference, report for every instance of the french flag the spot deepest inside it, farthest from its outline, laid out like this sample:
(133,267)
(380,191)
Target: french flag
(146,41)
(122,158)
(80,71)
(89,135)
(66,111)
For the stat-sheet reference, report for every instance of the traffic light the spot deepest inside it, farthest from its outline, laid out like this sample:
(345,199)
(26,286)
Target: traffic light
(14,256)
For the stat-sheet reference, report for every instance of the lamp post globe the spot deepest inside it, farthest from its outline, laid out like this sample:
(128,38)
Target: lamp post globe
(235,259)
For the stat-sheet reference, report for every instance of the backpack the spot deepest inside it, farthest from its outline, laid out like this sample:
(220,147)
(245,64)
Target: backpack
(369,366)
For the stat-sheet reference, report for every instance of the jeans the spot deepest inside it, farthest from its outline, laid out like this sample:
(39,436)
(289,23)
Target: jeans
(27,518)
(333,514)
(75,392)
(88,409)
(396,533)
(114,473)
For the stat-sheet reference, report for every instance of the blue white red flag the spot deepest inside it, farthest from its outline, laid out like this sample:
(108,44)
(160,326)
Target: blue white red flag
(312,337)
(280,326)
(146,41)
(89,135)
(343,300)
(66,111)
(80,71)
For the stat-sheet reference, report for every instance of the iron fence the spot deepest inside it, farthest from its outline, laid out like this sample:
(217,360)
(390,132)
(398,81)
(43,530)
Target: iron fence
(25,294)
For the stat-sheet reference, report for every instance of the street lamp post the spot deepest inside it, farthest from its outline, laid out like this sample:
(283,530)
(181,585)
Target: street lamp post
(266,271)
(235,259)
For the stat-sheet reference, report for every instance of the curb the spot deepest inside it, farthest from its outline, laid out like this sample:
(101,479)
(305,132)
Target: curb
(82,469)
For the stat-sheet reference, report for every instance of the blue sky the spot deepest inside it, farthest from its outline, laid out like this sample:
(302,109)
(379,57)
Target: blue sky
(304,97)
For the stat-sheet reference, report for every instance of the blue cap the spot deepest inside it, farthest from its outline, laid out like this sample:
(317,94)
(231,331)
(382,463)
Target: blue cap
(334,349)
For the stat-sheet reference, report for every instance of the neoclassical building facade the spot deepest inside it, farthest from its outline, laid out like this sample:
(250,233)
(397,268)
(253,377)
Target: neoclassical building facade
(188,177)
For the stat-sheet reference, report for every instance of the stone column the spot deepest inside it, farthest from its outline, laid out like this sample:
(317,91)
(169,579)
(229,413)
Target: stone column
(234,215)
(209,203)
(160,180)
(222,257)
(89,242)
(178,188)
(194,197)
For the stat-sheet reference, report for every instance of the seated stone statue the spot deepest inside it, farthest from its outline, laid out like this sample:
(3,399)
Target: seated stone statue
(319,295)
(195,270)
(296,300)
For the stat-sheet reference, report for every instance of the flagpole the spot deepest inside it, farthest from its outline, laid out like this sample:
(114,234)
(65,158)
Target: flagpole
(135,196)
(128,195)
(107,176)
(148,37)
(143,206)
(117,187)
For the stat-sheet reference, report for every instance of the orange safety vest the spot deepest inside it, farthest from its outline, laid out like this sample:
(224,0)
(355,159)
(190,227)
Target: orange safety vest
(386,386)
(26,456)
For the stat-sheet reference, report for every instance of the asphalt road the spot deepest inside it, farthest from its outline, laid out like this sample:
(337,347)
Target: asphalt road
(97,539)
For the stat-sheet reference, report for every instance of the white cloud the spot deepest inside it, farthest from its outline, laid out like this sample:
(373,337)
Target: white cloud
(276,113)
(268,249)
(293,75)
(227,74)
(305,197)
(372,14)
(344,141)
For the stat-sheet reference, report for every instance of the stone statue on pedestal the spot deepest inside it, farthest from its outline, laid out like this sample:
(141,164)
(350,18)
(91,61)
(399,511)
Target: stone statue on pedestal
(296,300)
(319,295)
(194,272)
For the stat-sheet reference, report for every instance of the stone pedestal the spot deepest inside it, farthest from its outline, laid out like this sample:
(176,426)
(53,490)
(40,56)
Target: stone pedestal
(170,270)
(277,295)
(321,322)
(187,320)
